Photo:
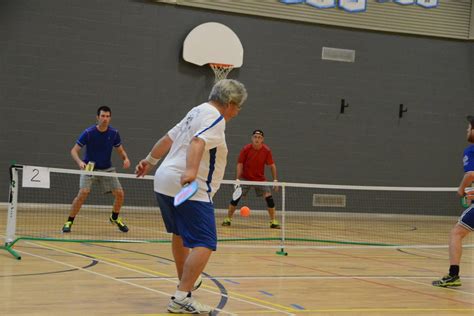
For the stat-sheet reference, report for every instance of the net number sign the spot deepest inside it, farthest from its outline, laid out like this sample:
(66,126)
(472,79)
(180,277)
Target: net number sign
(35,177)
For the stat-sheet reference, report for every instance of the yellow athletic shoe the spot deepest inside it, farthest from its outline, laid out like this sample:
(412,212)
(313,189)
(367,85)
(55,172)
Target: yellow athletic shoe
(67,227)
(448,281)
(121,225)
(274,224)
(227,221)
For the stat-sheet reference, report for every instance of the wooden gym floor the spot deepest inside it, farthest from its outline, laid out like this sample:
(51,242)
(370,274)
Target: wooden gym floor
(61,278)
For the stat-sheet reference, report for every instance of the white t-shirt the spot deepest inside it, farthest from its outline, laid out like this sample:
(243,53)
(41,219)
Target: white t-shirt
(203,121)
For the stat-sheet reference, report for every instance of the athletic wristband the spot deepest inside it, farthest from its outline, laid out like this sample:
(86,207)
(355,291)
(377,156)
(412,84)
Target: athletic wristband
(151,160)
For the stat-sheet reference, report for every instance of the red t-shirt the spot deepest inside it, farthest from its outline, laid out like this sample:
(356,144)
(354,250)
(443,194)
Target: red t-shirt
(254,161)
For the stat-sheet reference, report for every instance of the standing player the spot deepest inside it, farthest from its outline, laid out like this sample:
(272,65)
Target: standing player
(99,140)
(465,223)
(196,150)
(251,167)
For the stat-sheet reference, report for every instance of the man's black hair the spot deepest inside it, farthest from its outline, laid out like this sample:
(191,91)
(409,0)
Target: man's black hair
(470,119)
(104,108)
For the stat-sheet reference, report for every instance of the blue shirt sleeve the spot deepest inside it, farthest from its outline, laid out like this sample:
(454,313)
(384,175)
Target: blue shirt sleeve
(468,159)
(82,140)
(117,140)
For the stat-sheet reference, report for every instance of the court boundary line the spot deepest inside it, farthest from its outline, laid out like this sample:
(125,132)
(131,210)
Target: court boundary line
(368,310)
(146,271)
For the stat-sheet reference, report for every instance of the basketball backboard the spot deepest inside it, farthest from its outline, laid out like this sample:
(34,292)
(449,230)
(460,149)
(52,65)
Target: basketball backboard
(213,43)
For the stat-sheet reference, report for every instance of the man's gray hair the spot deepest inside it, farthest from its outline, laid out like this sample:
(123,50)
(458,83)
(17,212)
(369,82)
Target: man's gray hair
(228,90)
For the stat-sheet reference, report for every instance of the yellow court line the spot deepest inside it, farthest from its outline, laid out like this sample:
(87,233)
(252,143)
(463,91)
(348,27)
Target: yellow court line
(292,310)
(378,310)
(118,262)
(132,266)
(250,298)
(254,312)
(348,310)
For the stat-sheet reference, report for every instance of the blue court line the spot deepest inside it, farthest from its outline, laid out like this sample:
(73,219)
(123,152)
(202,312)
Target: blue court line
(227,280)
(297,306)
(266,293)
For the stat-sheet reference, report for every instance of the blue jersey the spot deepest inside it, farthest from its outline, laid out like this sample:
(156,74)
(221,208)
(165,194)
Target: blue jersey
(99,145)
(468,159)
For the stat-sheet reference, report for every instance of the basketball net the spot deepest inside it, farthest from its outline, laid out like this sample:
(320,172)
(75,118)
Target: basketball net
(220,70)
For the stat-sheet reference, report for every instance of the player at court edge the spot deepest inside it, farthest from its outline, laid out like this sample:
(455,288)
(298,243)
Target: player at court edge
(251,167)
(195,150)
(465,223)
(99,140)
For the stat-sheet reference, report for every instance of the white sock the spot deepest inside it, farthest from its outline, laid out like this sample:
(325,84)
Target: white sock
(179,295)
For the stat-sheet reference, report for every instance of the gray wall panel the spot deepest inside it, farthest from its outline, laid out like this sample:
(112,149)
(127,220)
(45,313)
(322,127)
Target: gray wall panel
(59,60)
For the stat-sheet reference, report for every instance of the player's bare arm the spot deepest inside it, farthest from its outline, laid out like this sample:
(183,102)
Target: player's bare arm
(193,158)
(273,168)
(466,182)
(123,154)
(159,150)
(75,155)
(240,168)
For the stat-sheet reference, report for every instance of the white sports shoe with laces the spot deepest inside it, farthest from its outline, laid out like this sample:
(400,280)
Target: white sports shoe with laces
(187,305)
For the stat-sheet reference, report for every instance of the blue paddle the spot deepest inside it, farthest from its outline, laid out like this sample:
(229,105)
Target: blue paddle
(185,193)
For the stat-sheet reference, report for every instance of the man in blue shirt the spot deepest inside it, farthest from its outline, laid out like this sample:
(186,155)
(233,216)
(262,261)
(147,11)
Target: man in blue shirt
(468,158)
(99,141)
(465,224)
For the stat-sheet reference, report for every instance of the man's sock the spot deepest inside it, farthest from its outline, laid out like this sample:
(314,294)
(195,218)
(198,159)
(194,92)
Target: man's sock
(179,295)
(454,270)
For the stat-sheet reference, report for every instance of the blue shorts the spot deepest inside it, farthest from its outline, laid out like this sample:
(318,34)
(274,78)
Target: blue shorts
(467,218)
(194,221)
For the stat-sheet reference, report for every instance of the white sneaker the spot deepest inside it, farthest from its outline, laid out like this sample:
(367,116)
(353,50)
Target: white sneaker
(187,306)
(197,284)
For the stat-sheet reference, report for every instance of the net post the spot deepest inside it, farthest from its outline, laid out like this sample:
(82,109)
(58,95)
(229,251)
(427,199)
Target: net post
(282,251)
(12,211)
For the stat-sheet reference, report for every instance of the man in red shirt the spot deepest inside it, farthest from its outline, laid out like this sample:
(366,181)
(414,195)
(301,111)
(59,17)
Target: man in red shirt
(251,167)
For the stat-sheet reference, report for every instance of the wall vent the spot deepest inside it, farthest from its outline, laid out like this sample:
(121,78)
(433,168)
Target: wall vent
(338,54)
(329,200)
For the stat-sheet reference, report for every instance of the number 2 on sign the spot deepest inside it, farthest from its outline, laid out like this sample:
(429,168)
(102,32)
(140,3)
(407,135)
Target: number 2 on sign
(36,177)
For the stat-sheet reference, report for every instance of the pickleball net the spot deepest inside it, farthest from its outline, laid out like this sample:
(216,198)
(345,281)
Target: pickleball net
(310,215)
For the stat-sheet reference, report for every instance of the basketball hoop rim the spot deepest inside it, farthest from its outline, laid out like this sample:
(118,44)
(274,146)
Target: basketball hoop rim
(220,70)
(221,65)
